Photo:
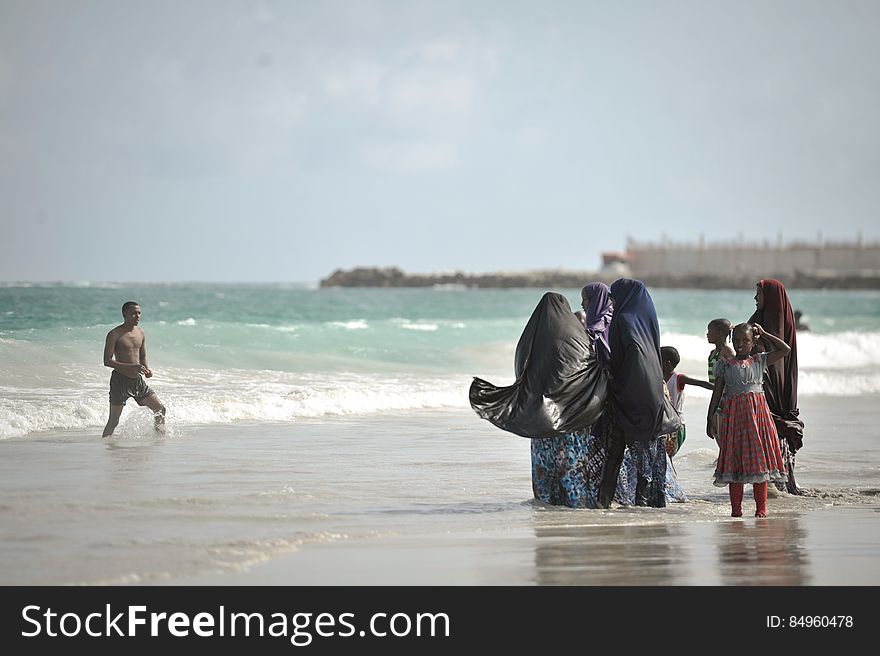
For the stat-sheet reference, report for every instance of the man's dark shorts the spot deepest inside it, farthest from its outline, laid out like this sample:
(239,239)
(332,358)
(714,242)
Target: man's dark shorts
(123,387)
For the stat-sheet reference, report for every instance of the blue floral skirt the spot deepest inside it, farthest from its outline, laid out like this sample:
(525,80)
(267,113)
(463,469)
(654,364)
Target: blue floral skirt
(653,464)
(567,471)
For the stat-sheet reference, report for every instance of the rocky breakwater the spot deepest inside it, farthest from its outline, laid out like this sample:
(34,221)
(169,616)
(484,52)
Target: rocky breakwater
(563,279)
(394,277)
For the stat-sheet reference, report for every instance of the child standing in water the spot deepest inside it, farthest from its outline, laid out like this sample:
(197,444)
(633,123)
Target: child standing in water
(676,382)
(747,435)
(717,333)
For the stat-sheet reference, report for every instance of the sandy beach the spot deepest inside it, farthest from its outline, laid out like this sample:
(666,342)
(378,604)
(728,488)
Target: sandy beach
(418,498)
(792,549)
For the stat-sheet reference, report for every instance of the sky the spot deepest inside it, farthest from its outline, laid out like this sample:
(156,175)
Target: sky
(281,140)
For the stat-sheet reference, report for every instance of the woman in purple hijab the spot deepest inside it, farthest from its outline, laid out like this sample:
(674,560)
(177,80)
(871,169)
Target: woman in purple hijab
(596,301)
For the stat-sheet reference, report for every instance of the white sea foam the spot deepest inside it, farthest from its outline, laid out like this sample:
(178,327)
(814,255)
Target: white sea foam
(281,329)
(22,416)
(63,387)
(208,397)
(845,350)
(187,322)
(833,383)
(358,324)
(420,326)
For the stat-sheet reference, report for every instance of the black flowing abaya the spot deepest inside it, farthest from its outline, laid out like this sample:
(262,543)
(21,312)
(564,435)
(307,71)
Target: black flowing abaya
(637,404)
(560,385)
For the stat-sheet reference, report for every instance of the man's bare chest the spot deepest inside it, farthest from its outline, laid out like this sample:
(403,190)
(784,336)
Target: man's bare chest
(129,342)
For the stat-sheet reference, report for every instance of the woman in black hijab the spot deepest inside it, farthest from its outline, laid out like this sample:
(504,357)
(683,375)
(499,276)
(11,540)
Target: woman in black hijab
(635,397)
(558,394)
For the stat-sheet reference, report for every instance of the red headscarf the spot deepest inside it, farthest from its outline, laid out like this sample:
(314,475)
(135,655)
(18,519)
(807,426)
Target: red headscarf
(780,379)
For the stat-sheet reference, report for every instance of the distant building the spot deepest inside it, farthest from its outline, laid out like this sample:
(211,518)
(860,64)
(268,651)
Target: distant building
(830,265)
(819,264)
(614,265)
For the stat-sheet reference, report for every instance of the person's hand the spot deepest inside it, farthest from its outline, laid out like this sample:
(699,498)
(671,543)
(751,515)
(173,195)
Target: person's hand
(148,372)
(709,431)
(759,331)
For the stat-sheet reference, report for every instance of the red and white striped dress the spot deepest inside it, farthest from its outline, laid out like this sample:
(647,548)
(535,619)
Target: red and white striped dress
(749,443)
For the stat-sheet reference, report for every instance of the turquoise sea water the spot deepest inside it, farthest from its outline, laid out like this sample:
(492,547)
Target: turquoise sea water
(329,425)
(225,352)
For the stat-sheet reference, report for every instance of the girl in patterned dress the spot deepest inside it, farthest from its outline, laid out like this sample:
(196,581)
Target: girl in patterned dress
(747,435)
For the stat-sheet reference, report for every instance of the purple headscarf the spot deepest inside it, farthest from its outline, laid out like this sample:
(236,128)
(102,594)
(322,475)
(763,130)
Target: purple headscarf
(599,313)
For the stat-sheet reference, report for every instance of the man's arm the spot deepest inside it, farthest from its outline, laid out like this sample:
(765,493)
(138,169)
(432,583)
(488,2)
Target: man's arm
(110,351)
(687,380)
(143,356)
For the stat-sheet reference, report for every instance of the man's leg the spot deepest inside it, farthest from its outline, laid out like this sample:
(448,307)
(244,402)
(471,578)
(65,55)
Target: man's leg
(154,404)
(113,421)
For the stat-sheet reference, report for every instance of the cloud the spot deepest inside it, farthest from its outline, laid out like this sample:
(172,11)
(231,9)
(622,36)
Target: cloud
(263,14)
(282,106)
(412,156)
(5,74)
(441,50)
(533,136)
(453,95)
(361,81)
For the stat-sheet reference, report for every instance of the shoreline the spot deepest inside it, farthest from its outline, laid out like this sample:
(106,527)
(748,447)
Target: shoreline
(566,548)
(413,498)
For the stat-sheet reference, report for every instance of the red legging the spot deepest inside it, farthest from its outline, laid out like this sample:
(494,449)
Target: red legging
(760,492)
(736,499)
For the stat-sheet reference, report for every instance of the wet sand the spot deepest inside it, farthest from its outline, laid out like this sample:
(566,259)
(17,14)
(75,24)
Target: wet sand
(791,549)
(421,498)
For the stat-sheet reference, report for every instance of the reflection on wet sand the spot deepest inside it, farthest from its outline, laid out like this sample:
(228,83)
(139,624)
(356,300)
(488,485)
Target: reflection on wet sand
(582,548)
(584,554)
(768,551)
(130,461)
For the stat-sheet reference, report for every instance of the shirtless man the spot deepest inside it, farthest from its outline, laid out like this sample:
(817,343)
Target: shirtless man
(125,351)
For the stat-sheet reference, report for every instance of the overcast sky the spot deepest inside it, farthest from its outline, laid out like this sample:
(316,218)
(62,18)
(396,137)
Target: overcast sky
(280,140)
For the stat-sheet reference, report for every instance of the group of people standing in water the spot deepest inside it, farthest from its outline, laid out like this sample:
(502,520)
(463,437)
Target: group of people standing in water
(601,401)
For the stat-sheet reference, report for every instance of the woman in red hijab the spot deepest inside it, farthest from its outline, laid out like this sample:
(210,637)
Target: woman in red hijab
(774,314)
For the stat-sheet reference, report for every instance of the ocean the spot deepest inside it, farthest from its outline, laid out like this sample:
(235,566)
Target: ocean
(232,353)
(307,427)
